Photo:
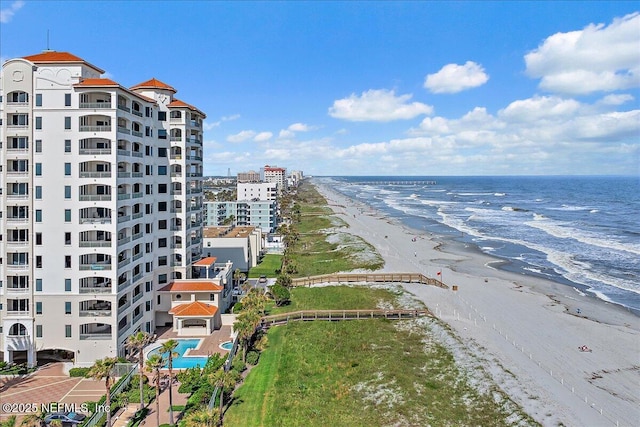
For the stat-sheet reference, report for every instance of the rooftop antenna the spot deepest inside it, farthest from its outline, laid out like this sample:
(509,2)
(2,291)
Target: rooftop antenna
(48,50)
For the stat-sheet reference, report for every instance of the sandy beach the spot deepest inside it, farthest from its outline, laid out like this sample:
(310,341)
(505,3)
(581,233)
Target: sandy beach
(525,331)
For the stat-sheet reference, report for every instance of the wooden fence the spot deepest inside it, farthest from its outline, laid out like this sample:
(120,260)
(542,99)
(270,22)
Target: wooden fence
(336,315)
(368,278)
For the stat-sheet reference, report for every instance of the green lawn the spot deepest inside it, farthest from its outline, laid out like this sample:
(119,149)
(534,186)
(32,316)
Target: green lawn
(268,266)
(361,373)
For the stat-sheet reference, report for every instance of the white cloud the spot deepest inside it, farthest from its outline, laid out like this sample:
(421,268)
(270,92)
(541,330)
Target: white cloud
(263,136)
(300,127)
(454,78)
(597,58)
(230,118)
(241,136)
(212,125)
(618,99)
(286,134)
(378,105)
(7,13)
(539,108)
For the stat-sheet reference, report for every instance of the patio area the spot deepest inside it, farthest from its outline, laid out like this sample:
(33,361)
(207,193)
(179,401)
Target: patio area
(209,346)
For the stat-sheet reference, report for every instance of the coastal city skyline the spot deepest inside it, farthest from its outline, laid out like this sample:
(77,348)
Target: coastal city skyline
(442,88)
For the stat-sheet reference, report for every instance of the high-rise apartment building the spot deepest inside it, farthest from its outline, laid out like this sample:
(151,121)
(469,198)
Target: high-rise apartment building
(101,205)
(275,175)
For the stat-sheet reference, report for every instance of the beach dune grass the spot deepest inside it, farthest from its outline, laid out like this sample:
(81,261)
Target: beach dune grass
(268,266)
(360,373)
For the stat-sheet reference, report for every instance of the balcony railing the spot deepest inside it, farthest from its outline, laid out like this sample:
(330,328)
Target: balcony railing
(124,174)
(123,263)
(123,330)
(99,220)
(137,277)
(137,317)
(137,236)
(17,220)
(18,313)
(137,195)
(136,133)
(94,197)
(136,113)
(95,105)
(124,196)
(95,151)
(95,313)
(123,152)
(95,290)
(124,108)
(137,215)
(124,285)
(95,266)
(87,128)
(137,256)
(102,336)
(122,307)
(95,244)
(124,218)
(18,266)
(124,130)
(137,296)
(95,174)
(18,290)
(176,139)
(136,154)
(124,240)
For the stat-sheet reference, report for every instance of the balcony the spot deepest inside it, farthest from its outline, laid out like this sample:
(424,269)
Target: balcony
(19,291)
(124,174)
(95,290)
(94,197)
(124,240)
(106,174)
(124,130)
(17,220)
(124,108)
(89,128)
(124,196)
(95,267)
(137,195)
(136,154)
(137,296)
(18,267)
(176,139)
(123,306)
(95,105)
(124,329)
(94,151)
(122,152)
(136,133)
(123,263)
(18,313)
(124,285)
(96,220)
(124,218)
(137,317)
(95,313)
(137,215)
(96,336)
(137,277)
(17,243)
(137,256)
(17,196)
(95,244)
(136,113)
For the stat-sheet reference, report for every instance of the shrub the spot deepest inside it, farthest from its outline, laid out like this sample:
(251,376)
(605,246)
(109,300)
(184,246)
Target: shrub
(252,357)
(78,372)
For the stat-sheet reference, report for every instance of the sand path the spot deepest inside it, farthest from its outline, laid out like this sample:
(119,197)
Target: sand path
(525,330)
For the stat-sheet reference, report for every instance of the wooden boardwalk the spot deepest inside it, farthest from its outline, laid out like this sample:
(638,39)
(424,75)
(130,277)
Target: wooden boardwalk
(337,315)
(368,278)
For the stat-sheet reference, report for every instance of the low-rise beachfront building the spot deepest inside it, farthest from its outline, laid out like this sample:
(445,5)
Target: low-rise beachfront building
(255,191)
(260,213)
(101,201)
(193,307)
(243,246)
(251,176)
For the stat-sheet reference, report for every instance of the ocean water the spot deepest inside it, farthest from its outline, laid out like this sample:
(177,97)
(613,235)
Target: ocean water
(582,232)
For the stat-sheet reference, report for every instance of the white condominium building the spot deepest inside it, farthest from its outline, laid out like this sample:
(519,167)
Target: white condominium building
(101,205)
(275,175)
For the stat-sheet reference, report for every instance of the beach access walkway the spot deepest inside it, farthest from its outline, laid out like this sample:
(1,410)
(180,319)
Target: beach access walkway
(368,278)
(337,315)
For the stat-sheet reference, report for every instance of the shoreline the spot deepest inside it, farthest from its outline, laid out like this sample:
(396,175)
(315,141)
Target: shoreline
(526,328)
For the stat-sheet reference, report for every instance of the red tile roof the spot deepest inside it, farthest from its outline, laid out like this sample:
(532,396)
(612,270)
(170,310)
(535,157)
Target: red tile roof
(176,103)
(195,308)
(53,57)
(192,286)
(97,82)
(206,262)
(153,84)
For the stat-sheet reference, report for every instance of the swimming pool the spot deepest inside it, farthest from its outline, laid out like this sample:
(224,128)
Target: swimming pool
(227,345)
(182,361)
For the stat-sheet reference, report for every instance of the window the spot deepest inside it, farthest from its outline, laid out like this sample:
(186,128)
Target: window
(67,145)
(67,191)
(148,169)
(148,209)
(67,285)
(39,239)
(158,300)
(162,152)
(38,261)
(162,260)
(162,278)
(39,285)
(148,189)
(67,215)
(162,116)
(162,224)
(38,169)
(162,206)
(67,331)
(147,306)
(67,100)
(162,170)
(148,112)
(67,307)
(162,134)
(38,146)
(67,238)
(148,150)
(67,123)
(148,286)
(38,215)
(148,228)
(148,131)
(148,248)
(162,243)
(38,331)
(38,192)
(162,188)
(39,123)
(67,261)
(38,307)
(212,297)
(38,100)
(67,169)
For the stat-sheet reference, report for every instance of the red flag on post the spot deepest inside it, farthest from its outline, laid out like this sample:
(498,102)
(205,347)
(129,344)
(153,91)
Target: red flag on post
(439,273)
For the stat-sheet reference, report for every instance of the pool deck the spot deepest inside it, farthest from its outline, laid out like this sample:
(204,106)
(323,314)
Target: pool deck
(211,342)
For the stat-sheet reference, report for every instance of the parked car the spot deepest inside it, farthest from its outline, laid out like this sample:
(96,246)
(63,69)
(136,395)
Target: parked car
(262,279)
(67,418)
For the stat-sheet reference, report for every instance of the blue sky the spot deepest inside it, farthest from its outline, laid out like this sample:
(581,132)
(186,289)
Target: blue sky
(373,88)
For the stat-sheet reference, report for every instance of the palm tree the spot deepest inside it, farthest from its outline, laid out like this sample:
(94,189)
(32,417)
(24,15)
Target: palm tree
(167,348)
(154,364)
(9,422)
(138,342)
(34,419)
(203,417)
(102,369)
(223,380)
(245,326)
